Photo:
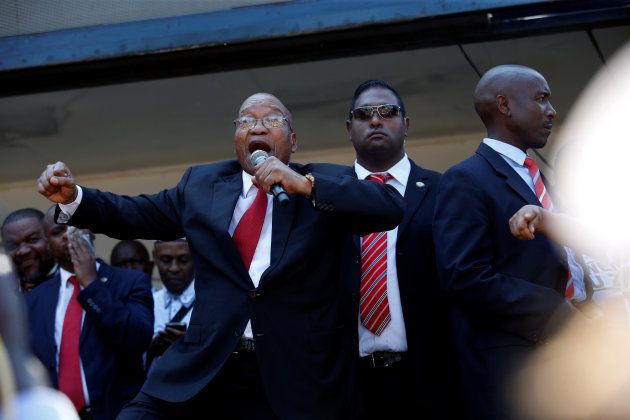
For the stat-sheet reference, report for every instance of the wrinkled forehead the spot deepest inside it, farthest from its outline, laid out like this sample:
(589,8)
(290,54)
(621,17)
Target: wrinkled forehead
(261,101)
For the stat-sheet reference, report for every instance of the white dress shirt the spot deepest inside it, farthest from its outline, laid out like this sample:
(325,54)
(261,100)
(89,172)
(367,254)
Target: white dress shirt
(65,293)
(515,157)
(166,305)
(262,255)
(394,337)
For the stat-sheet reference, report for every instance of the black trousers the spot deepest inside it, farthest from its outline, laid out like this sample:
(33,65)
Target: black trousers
(235,393)
(387,393)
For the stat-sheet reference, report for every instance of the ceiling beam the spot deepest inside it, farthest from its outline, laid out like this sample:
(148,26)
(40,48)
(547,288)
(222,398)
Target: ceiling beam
(278,33)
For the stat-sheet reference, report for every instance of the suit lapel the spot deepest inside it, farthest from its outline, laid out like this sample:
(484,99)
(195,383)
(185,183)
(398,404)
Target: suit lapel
(513,180)
(224,197)
(415,192)
(49,309)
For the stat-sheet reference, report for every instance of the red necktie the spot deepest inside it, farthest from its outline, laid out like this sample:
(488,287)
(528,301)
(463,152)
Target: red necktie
(545,200)
(69,359)
(374,306)
(247,232)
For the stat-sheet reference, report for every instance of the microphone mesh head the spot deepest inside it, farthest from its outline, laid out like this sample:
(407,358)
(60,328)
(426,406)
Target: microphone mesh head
(258,157)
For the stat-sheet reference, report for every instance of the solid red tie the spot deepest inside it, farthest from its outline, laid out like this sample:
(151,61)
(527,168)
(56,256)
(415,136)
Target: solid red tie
(374,305)
(247,232)
(69,359)
(545,200)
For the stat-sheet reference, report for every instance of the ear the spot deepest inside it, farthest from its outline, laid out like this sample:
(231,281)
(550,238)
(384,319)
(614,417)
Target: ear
(406,125)
(503,105)
(348,128)
(293,138)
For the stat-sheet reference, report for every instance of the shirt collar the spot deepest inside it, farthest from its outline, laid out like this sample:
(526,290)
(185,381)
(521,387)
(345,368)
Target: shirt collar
(400,171)
(186,298)
(247,183)
(511,152)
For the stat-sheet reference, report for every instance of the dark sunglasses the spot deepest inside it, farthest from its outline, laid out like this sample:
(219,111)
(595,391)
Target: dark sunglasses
(364,113)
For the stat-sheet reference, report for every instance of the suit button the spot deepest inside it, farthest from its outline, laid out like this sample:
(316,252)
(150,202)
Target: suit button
(255,293)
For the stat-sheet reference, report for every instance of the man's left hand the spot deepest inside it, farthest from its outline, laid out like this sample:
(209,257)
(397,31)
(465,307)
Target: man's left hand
(83,260)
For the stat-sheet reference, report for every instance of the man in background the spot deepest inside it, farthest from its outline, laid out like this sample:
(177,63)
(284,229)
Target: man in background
(133,255)
(90,325)
(173,303)
(25,242)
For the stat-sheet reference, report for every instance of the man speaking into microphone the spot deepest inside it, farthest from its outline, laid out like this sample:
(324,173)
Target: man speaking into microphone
(266,339)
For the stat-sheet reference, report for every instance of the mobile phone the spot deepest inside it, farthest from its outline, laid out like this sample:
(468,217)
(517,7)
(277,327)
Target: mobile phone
(179,326)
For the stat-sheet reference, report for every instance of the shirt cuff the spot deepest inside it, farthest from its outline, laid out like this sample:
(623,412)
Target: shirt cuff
(67,210)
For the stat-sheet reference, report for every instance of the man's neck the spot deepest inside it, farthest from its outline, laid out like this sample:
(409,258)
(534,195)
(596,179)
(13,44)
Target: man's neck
(379,165)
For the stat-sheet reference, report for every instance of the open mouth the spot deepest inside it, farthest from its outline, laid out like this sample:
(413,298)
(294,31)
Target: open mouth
(258,145)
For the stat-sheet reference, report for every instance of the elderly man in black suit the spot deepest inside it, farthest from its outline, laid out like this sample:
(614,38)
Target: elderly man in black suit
(266,338)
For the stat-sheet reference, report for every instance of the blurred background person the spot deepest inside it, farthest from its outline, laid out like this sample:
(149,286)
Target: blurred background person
(90,325)
(133,255)
(25,242)
(24,394)
(173,303)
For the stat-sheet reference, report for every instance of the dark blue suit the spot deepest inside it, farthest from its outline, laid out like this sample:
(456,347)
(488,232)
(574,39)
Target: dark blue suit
(295,312)
(116,331)
(508,293)
(427,318)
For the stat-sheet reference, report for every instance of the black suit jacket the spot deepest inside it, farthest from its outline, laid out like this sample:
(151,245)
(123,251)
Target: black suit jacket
(427,317)
(295,311)
(116,331)
(508,294)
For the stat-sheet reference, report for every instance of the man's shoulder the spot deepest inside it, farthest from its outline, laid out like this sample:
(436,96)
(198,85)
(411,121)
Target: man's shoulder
(42,290)
(119,275)
(326,168)
(224,167)
(424,172)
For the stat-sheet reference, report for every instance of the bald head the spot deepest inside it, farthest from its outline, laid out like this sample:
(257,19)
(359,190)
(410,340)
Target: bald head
(513,103)
(263,123)
(269,100)
(503,80)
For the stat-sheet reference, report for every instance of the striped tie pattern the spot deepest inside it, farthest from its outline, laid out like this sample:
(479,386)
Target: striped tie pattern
(545,200)
(374,306)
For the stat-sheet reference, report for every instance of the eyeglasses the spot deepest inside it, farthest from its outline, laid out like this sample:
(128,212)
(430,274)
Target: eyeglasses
(247,123)
(385,111)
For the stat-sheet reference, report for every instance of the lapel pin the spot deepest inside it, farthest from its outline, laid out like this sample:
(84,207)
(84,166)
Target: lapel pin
(419,184)
(103,279)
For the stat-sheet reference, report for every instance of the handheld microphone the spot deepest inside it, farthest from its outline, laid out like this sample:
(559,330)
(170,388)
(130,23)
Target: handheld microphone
(260,156)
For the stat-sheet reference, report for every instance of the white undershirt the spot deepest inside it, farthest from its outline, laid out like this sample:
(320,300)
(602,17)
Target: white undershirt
(394,337)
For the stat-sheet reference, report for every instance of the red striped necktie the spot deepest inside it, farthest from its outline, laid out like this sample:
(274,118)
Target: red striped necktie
(374,306)
(70,382)
(248,230)
(545,200)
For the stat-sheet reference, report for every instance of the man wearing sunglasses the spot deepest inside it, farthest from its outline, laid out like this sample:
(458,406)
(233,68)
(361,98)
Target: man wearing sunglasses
(266,337)
(406,361)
